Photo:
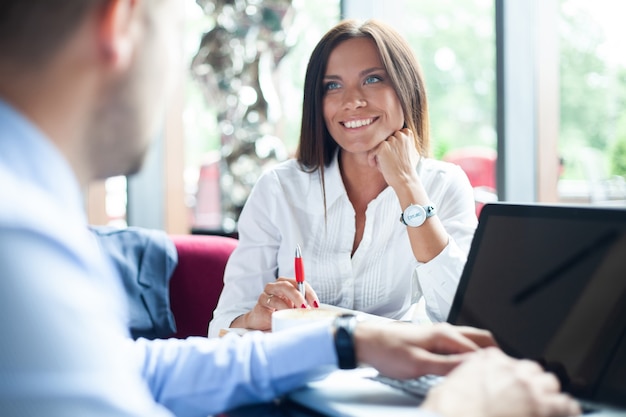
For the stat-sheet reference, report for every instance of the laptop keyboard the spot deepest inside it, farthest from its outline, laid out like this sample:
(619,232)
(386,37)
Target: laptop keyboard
(417,387)
(589,408)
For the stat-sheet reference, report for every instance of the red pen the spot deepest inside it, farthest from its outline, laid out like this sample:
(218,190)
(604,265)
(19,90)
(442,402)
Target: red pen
(299,271)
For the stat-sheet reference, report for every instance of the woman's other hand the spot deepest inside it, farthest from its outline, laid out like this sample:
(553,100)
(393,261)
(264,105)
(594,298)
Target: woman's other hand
(396,158)
(278,295)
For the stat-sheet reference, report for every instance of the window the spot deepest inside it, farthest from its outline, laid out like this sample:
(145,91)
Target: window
(244,100)
(454,42)
(592,139)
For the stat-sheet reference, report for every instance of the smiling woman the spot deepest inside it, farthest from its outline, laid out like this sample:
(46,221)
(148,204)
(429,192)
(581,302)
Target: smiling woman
(362,161)
(360,104)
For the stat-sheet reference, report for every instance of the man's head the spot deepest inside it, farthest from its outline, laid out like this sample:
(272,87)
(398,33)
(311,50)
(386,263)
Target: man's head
(92,74)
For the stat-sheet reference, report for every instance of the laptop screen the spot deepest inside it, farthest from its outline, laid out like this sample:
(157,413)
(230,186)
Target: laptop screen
(550,283)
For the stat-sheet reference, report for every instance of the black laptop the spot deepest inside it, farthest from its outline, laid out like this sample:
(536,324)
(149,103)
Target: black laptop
(550,283)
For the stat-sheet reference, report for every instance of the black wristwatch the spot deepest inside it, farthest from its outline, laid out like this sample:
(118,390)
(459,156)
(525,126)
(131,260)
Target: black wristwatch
(344,340)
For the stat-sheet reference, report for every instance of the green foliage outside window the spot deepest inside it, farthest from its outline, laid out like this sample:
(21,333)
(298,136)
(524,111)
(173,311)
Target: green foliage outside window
(592,88)
(618,157)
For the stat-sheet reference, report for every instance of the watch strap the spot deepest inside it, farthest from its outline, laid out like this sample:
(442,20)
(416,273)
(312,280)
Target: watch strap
(430,210)
(344,340)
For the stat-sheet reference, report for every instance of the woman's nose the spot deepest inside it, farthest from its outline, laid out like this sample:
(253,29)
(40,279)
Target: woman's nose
(354,99)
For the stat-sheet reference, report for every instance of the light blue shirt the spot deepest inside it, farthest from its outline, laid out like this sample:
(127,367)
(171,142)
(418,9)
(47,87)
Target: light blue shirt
(64,343)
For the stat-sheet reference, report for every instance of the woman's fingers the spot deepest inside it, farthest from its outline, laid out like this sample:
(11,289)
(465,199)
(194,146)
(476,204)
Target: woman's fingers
(273,302)
(280,294)
(311,297)
(287,290)
(395,157)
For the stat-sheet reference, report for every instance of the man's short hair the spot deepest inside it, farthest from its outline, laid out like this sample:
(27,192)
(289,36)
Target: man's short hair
(33,30)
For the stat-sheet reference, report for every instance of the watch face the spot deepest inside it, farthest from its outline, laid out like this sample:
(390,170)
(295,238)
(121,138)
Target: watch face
(414,215)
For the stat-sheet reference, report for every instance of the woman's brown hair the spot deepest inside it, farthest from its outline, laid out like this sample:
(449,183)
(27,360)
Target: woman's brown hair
(317,148)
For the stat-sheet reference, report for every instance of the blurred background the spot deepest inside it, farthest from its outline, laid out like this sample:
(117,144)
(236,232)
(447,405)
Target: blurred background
(528,96)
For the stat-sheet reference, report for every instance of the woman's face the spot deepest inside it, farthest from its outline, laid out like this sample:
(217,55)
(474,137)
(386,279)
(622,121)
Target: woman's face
(361,108)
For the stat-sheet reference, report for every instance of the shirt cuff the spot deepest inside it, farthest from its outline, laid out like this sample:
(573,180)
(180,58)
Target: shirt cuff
(314,346)
(439,280)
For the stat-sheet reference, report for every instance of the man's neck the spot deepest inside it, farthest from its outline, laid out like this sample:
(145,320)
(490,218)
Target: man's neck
(55,107)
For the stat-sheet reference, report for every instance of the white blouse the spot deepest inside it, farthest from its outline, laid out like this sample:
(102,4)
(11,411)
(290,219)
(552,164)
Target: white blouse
(286,208)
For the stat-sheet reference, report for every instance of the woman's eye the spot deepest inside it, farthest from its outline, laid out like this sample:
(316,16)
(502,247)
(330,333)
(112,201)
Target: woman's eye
(331,85)
(373,79)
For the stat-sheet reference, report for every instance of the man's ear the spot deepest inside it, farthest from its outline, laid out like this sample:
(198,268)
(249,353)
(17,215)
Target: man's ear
(117,20)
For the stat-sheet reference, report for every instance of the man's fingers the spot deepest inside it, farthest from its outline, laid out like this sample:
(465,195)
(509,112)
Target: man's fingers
(547,383)
(432,363)
(561,404)
(482,338)
(447,339)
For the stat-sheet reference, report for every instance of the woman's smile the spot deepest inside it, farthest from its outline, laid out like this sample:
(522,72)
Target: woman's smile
(357,123)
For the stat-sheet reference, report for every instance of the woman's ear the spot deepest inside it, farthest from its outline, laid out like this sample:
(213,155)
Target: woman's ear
(116,23)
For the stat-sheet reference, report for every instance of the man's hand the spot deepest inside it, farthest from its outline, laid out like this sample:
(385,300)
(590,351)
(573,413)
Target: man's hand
(404,350)
(491,384)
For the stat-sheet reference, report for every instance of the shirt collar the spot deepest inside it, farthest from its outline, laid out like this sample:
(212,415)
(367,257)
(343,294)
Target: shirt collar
(333,182)
(335,188)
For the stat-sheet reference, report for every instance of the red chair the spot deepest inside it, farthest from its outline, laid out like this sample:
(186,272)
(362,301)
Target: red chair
(480,166)
(197,281)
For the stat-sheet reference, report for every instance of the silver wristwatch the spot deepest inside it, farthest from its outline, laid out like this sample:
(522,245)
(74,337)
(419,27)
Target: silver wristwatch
(415,215)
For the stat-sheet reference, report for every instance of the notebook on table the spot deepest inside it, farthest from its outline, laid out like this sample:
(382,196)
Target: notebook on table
(550,283)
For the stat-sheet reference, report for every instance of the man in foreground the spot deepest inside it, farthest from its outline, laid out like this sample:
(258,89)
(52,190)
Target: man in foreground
(82,87)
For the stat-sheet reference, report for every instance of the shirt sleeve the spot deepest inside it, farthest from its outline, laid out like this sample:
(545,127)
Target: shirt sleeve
(65,345)
(439,278)
(254,262)
(200,376)
(59,363)
(425,413)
